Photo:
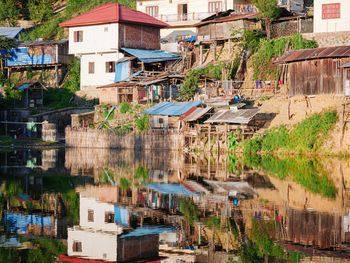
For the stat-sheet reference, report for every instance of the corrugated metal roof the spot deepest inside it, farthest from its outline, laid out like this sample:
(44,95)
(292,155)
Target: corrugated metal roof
(347,65)
(42,43)
(10,32)
(229,116)
(172,108)
(176,189)
(315,53)
(197,113)
(110,13)
(150,56)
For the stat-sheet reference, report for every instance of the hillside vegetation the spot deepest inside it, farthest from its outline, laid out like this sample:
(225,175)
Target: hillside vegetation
(47,14)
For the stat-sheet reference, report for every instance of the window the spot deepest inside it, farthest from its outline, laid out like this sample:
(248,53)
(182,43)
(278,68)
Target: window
(182,12)
(90,215)
(91,67)
(152,11)
(110,66)
(331,11)
(109,217)
(78,36)
(77,247)
(215,7)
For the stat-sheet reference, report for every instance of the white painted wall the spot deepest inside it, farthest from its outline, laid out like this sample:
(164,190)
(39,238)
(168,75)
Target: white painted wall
(95,245)
(331,25)
(99,215)
(95,39)
(100,77)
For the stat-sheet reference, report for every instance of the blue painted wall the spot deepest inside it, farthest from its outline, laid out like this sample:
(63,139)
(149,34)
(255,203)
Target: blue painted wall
(21,57)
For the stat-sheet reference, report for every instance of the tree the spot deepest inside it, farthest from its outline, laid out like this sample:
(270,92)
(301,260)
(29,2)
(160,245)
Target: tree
(189,85)
(270,11)
(6,44)
(40,10)
(9,11)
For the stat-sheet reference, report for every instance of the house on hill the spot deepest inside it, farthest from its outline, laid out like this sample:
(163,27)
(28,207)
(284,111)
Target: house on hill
(331,23)
(38,56)
(102,36)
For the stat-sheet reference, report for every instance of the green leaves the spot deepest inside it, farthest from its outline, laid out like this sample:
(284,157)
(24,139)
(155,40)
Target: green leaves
(268,8)
(190,85)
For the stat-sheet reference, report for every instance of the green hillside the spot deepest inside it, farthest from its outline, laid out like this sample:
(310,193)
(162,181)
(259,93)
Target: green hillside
(47,14)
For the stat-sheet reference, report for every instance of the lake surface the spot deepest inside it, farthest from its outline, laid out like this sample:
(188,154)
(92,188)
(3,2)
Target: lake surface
(106,205)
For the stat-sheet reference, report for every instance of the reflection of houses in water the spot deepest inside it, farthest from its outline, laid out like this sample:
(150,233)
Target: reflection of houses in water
(318,229)
(105,233)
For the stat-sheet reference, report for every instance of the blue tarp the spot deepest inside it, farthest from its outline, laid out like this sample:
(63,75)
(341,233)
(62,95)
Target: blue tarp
(191,39)
(24,86)
(20,56)
(121,215)
(172,108)
(150,56)
(10,32)
(20,222)
(148,230)
(121,71)
(177,189)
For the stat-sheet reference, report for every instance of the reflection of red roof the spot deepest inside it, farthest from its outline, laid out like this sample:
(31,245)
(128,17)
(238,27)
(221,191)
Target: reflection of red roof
(76,259)
(110,13)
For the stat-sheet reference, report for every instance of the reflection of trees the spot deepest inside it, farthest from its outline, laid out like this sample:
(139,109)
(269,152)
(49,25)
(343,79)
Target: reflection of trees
(305,171)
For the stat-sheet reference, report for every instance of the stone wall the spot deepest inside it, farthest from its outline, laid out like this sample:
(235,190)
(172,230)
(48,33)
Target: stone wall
(330,39)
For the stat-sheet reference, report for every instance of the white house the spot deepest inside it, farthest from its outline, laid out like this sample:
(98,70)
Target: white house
(331,16)
(101,235)
(98,35)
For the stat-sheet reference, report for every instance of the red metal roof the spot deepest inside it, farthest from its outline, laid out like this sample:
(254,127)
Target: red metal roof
(111,13)
(315,53)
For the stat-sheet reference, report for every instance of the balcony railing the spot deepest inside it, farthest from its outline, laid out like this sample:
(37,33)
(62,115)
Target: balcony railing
(197,16)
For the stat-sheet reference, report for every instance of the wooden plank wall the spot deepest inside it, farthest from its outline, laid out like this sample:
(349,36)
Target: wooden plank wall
(312,77)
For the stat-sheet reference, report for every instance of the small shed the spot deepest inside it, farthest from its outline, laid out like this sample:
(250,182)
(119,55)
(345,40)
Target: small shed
(314,71)
(117,93)
(32,93)
(167,114)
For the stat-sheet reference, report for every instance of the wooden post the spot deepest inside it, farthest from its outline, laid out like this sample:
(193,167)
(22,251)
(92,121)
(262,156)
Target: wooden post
(56,75)
(201,54)
(214,51)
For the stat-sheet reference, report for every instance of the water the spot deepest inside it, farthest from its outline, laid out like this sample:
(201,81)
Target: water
(122,205)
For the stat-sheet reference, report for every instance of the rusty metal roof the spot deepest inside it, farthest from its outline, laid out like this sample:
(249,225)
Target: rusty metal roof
(315,53)
(230,116)
(195,113)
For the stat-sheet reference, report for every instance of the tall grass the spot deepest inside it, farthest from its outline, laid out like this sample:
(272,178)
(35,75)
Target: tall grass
(305,171)
(304,137)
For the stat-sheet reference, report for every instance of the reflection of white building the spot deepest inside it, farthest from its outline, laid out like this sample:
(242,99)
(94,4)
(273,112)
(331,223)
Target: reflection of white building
(102,234)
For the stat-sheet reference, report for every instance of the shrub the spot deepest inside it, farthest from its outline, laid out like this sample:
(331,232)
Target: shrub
(125,107)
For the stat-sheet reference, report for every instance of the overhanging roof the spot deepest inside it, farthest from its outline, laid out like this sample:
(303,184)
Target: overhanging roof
(10,32)
(172,108)
(230,116)
(315,53)
(195,114)
(151,56)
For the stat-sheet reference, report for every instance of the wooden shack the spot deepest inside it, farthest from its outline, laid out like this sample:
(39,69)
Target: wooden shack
(51,55)
(32,93)
(117,93)
(314,71)
(166,115)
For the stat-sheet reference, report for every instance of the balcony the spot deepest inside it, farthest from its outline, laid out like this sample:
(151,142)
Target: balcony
(193,17)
